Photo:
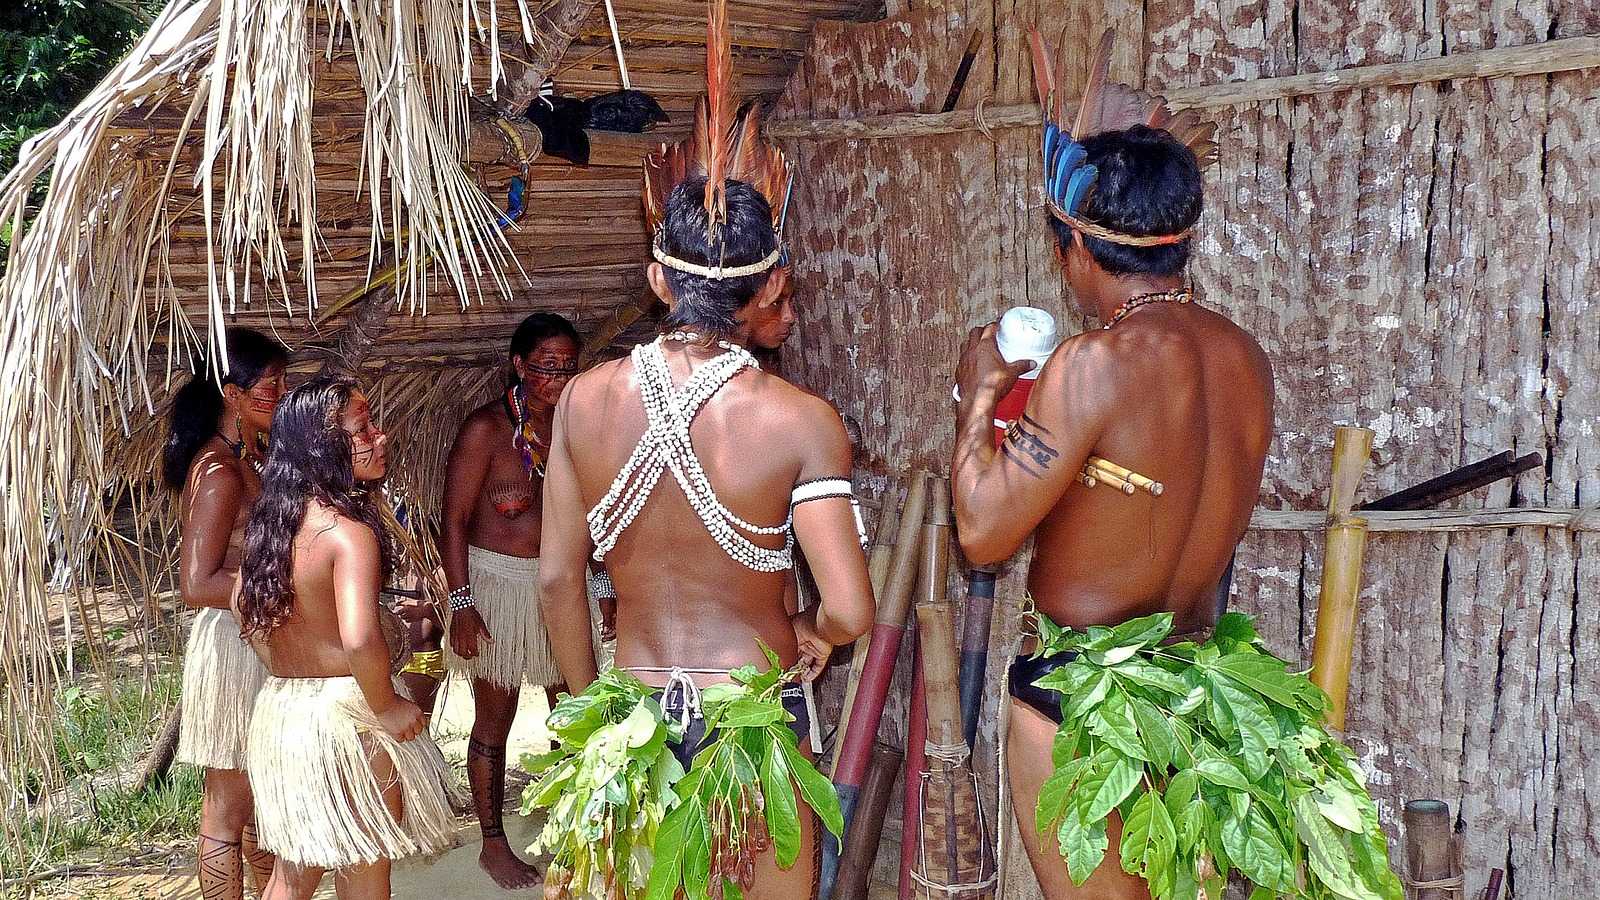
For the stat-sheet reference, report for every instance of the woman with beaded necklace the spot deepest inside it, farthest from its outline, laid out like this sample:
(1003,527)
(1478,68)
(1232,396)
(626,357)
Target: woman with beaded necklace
(216,445)
(490,543)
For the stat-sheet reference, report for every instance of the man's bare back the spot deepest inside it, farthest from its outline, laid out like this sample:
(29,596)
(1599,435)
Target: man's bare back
(682,599)
(1192,400)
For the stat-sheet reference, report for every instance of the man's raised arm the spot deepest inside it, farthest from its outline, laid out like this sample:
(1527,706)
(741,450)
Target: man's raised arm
(1001,496)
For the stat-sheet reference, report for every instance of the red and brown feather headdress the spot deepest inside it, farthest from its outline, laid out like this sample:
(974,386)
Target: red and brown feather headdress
(1106,106)
(724,144)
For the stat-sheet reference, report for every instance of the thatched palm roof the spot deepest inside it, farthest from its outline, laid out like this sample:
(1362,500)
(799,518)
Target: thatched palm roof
(258,162)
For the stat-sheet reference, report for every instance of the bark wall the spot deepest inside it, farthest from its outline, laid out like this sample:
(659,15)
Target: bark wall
(1418,260)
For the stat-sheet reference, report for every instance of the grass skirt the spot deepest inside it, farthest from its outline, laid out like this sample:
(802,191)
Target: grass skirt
(506,589)
(221,676)
(318,801)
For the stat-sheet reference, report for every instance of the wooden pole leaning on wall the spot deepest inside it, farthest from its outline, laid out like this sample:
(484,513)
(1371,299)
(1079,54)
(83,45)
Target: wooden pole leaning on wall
(1430,851)
(1341,572)
(861,729)
(861,844)
(878,560)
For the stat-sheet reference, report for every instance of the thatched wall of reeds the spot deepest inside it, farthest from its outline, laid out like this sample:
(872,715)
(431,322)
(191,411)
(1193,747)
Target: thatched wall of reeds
(1419,259)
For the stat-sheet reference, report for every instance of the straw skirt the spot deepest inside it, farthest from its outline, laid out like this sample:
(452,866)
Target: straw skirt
(506,589)
(319,802)
(221,676)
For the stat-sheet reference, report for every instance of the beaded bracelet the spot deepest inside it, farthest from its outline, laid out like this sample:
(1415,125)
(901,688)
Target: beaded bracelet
(461,598)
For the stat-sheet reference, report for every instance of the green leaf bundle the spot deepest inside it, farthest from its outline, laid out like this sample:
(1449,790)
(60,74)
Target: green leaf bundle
(605,789)
(739,796)
(625,821)
(1217,760)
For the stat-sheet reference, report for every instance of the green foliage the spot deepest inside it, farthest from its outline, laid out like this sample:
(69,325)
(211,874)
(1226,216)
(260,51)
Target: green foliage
(1216,758)
(100,734)
(52,53)
(625,820)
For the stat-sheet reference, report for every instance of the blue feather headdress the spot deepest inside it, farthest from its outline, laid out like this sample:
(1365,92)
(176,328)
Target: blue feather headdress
(1106,106)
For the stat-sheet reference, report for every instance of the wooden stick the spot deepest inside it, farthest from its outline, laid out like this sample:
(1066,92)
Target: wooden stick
(1128,475)
(1582,520)
(1092,476)
(878,560)
(861,846)
(1491,891)
(1461,481)
(1562,55)
(855,746)
(1341,573)
(916,763)
(975,648)
(1428,847)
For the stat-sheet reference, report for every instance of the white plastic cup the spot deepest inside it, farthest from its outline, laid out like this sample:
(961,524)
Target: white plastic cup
(1025,332)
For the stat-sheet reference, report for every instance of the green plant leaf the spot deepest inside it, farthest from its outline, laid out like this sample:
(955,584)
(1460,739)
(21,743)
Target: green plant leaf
(1191,701)
(1082,844)
(1255,850)
(666,872)
(1235,626)
(1113,656)
(816,789)
(1094,691)
(1066,679)
(1339,805)
(1263,674)
(1220,772)
(1325,852)
(1111,723)
(1106,786)
(1054,793)
(1153,677)
(1155,733)
(696,853)
(783,813)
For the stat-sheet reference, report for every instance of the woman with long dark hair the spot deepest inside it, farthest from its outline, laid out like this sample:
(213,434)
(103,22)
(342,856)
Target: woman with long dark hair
(214,450)
(490,546)
(345,777)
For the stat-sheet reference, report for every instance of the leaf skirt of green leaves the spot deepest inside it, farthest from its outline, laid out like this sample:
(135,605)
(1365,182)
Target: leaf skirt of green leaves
(623,819)
(1216,758)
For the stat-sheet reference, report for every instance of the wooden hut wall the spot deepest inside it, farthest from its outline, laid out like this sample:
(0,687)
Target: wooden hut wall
(1419,260)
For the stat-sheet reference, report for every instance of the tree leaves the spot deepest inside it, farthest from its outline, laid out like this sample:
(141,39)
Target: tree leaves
(783,815)
(1254,763)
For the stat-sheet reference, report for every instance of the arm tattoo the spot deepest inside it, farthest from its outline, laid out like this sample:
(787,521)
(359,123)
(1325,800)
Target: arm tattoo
(1026,446)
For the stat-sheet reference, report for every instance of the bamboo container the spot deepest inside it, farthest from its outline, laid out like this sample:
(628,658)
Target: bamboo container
(878,561)
(1430,854)
(1341,573)
(861,847)
(954,848)
(935,534)
(861,728)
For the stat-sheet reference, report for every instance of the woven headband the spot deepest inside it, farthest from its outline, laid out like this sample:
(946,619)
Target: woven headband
(715,273)
(1116,237)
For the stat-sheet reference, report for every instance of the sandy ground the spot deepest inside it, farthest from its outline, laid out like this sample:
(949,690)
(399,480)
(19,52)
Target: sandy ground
(455,875)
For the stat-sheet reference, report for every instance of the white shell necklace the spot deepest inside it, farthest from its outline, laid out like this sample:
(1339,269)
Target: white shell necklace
(665,444)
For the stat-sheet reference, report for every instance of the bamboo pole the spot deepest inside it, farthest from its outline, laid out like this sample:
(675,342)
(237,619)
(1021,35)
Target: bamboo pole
(1562,55)
(1430,856)
(878,561)
(861,847)
(1341,572)
(855,745)
(911,779)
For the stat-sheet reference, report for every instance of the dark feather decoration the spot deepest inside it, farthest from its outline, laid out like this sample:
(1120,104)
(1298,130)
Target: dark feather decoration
(1106,105)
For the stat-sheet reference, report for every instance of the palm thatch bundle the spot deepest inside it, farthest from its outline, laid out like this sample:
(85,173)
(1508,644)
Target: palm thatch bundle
(214,114)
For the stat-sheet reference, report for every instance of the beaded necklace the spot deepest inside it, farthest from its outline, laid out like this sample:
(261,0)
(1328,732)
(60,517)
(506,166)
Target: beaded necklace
(237,447)
(665,445)
(1176,295)
(524,436)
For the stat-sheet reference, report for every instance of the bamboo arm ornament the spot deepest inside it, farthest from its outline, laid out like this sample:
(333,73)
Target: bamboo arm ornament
(1103,471)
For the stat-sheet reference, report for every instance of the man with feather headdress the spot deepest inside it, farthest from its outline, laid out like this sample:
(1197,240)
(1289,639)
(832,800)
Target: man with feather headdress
(1141,725)
(712,753)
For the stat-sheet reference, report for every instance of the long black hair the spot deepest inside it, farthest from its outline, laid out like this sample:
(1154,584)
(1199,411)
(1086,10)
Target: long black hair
(1149,183)
(538,328)
(746,237)
(198,404)
(310,460)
